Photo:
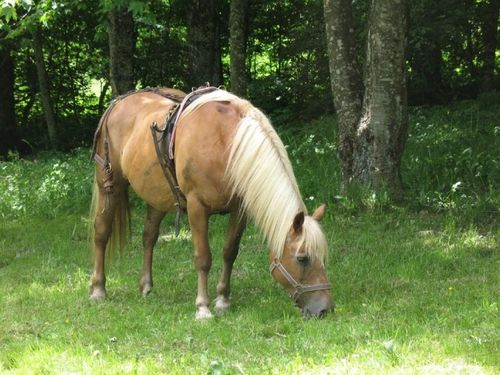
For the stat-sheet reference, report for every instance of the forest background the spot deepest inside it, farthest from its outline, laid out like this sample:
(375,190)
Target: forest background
(451,55)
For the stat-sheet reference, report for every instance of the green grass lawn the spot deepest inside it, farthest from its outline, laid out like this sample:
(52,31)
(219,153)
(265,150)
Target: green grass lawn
(414,294)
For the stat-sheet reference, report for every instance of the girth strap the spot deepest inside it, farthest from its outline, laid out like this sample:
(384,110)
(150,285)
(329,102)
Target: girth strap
(163,139)
(168,168)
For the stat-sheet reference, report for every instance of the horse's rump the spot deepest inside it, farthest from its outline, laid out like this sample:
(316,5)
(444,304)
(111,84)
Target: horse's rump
(168,93)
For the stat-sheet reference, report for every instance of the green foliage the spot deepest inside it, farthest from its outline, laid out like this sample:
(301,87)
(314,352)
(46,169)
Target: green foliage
(447,50)
(287,59)
(287,62)
(450,163)
(45,186)
(72,66)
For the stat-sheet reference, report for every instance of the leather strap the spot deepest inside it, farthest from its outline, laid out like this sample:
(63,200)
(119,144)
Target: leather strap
(298,287)
(168,169)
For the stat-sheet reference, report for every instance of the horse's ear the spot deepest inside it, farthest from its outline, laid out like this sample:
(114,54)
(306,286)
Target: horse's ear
(319,213)
(298,221)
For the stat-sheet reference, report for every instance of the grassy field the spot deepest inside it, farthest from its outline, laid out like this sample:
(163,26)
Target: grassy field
(416,287)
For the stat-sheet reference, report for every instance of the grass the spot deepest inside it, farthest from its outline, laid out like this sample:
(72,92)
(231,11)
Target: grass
(416,287)
(412,295)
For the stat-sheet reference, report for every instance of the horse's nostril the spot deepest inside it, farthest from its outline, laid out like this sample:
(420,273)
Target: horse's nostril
(308,314)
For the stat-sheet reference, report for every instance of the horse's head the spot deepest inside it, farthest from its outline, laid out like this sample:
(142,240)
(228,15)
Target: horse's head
(300,269)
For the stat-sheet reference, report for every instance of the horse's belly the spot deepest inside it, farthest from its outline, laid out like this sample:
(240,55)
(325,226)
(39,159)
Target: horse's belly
(153,188)
(144,173)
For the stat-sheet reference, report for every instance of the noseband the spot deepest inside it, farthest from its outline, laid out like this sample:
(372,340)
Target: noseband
(298,287)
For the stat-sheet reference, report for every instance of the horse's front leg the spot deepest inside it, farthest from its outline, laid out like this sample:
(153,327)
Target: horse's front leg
(149,238)
(235,230)
(198,220)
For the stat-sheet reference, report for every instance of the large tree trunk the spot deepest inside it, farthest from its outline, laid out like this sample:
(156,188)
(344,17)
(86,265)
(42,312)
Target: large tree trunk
(382,131)
(43,83)
(122,38)
(9,136)
(238,46)
(372,135)
(203,42)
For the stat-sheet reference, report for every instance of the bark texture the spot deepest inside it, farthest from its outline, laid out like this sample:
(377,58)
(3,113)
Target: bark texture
(203,43)
(238,46)
(345,78)
(43,83)
(122,39)
(9,136)
(372,135)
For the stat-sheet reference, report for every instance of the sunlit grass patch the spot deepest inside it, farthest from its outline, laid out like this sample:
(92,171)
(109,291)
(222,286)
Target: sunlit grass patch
(412,296)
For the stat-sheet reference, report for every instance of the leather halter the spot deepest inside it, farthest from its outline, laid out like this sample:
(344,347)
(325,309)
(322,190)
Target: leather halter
(298,287)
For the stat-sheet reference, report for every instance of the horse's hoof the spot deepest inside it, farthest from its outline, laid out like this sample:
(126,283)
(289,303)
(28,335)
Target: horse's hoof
(98,294)
(203,313)
(145,289)
(222,305)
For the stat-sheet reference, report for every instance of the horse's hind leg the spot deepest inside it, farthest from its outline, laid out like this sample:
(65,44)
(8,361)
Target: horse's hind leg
(235,230)
(149,238)
(103,222)
(198,221)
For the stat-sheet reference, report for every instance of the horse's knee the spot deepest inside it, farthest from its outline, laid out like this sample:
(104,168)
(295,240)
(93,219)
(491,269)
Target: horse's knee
(203,261)
(230,254)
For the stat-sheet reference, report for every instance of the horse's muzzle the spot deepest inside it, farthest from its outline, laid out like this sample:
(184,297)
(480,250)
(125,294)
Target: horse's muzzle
(317,307)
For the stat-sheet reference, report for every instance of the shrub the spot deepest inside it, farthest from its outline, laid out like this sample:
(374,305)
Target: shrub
(48,185)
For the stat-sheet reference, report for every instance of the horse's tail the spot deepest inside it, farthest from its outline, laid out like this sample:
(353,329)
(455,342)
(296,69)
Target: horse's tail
(120,227)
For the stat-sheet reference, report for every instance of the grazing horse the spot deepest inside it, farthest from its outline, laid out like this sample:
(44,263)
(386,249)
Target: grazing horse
(228,159)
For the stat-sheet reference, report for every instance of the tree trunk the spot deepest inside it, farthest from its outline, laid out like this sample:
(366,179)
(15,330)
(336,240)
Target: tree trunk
(382,131)
(122,38)
(490,24)
(9,136)
(43,83)
(238,46)
(345,78)
(203,44)
(372,135)
(102,96)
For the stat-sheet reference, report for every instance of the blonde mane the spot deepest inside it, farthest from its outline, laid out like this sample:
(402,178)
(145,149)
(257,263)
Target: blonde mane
(261,175)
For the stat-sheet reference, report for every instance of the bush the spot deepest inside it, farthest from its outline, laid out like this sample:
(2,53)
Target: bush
(48,185)
(450,162)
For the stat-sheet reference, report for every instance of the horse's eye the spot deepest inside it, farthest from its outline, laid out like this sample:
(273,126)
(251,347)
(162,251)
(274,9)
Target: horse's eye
(303,259)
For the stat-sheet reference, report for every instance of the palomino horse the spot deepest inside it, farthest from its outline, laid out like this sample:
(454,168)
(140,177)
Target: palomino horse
(228,159)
